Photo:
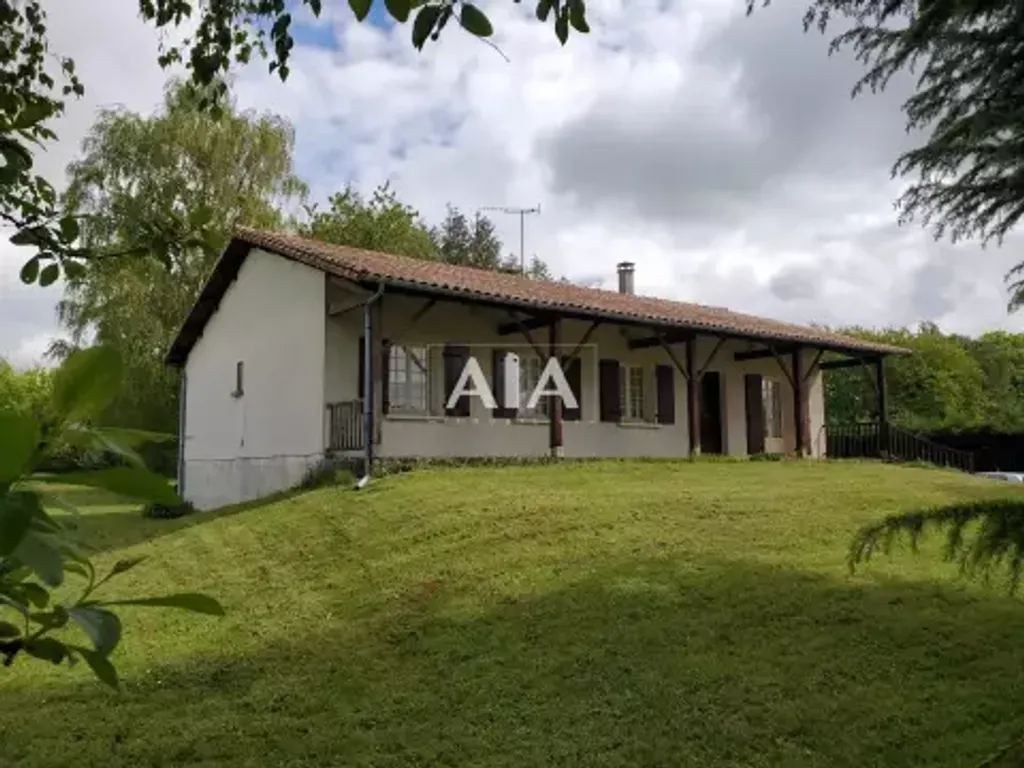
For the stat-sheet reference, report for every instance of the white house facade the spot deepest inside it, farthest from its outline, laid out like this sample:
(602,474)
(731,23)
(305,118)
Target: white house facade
(275,354)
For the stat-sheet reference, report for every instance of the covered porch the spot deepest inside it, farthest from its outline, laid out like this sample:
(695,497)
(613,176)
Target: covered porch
(645,388)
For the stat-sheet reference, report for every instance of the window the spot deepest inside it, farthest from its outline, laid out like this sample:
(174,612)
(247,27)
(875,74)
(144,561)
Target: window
(239,376)
(530,369)
(408,380)
(771,396)
(631,392)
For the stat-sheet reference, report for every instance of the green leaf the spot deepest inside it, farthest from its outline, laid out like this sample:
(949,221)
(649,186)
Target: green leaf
(69,229)
(8,630)
(102,626)
(99,664)
(475,21)
(41,552)
(399,9)
(426,18)
(124,565)
(35,594)
(30,236)
(544,9)
(314,6)
(30,270)
(47,649)
(74,270)
(578,16)
(16,157)
(189,601)
(49,275)
(19,438)
(562,28)
(86,383)
(16,511)
(360,8)
(131,482)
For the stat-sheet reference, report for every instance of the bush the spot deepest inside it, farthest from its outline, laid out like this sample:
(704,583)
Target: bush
(167,511)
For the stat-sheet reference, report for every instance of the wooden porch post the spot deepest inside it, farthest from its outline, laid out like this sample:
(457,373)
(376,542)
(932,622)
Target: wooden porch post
(555,403)
(798,402)
(883,406)
(692,396)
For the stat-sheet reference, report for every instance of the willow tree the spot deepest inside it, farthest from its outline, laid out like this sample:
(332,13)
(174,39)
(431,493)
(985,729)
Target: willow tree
(186,177)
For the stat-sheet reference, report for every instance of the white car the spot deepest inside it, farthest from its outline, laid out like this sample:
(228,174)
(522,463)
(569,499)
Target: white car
(1011,477)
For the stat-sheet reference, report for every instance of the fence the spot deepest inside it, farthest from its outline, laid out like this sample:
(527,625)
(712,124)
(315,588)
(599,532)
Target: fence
(887,441)
(345,426)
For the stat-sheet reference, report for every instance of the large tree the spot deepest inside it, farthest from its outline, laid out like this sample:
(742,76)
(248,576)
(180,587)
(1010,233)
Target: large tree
(967,175)
(178,172)
(380,222)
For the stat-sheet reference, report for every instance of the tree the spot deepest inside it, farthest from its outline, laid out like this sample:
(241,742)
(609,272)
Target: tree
(232,31)
(380,223)
(968,174)
(458,242)
(180,172)
(30,97)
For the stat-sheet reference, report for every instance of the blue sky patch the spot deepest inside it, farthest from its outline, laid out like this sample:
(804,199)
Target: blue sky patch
(307,30)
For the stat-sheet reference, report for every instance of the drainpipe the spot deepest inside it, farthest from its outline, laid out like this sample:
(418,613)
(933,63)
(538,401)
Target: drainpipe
(368,384)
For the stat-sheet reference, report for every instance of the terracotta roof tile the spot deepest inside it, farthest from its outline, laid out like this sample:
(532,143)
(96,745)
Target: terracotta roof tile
(357,264)
(498,287)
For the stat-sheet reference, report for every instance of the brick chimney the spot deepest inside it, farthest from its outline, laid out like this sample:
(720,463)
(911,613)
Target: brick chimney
(625,269)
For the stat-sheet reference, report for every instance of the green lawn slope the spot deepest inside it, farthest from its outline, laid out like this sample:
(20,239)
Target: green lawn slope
(605,614)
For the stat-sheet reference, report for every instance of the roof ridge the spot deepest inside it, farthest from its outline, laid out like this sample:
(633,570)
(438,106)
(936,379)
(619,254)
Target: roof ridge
(244,231)
(525,293)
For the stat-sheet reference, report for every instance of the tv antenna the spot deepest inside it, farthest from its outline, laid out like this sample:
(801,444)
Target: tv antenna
(521,213)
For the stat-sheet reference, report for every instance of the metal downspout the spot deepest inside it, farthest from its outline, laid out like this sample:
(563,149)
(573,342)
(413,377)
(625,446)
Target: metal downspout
(368,384)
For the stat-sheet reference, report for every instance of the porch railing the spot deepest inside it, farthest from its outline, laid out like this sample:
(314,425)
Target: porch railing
(345,426)
(887,441)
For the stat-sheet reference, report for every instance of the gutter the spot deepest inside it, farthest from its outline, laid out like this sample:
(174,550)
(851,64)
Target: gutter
(368,384)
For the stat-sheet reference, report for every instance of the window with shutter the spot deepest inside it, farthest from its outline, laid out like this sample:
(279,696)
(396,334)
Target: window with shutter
(501,360)
(409,379)
(574,377)
(665,382)
(455,359)
(631,392)
(530,369)
(608,382)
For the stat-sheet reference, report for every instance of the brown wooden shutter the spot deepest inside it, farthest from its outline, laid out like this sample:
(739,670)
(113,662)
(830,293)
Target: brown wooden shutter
(665,381)
(455,357)
(755,413)
(574,376)
(385,376)
(608,375)
(362,366)
(498,362)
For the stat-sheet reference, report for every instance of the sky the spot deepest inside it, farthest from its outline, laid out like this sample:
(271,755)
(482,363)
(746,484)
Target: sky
(720,153)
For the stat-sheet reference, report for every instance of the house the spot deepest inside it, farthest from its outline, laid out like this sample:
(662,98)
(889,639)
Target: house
(296,350)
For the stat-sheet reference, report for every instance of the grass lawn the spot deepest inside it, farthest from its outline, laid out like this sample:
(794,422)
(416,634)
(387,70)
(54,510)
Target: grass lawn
(611,614)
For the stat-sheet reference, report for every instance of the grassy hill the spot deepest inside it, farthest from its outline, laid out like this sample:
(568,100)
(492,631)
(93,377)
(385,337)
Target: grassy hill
(610,614)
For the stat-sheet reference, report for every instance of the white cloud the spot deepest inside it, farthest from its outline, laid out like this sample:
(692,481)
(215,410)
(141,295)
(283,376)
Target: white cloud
(722,154)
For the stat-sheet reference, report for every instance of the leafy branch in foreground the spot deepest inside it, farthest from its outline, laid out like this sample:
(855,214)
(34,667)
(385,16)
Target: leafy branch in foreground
(36,552)
(233,31)
(981,536)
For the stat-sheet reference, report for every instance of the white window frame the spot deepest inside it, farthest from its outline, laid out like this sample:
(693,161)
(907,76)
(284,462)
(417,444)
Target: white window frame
(409,364)
(771,399)
(530,368)
(632,392)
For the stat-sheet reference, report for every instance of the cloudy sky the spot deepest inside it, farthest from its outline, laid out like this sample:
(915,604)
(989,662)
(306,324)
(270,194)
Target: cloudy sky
(720,153)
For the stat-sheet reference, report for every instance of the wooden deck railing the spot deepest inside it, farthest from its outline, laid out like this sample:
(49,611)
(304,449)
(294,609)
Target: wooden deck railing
(887,441)
(345,426)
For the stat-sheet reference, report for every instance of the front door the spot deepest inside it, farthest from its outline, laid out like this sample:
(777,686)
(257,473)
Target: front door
(711,413)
